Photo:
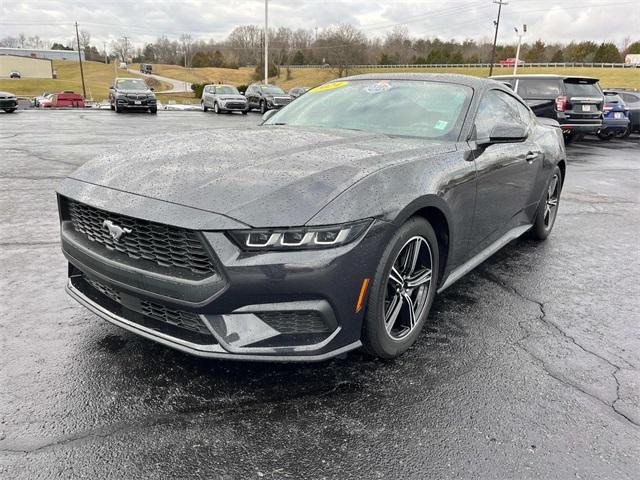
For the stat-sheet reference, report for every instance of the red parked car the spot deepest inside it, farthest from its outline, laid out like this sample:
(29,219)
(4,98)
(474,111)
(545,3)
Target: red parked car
(510,62)
(67,99)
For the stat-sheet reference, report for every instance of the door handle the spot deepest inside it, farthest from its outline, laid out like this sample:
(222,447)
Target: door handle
(531,156)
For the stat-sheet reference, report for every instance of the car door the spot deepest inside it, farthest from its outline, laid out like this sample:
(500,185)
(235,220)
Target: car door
(506,172)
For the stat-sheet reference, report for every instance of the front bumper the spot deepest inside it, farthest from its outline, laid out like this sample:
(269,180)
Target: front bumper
(271,306)
(128,103)
(234,106)
(5,103)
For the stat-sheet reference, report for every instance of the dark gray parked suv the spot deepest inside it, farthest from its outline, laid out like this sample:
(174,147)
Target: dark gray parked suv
(266,97)
(132,94)
(575,102)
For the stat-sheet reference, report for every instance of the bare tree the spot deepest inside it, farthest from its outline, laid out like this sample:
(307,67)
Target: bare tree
(186,41)
(85,40)
(121,48)
(342,47)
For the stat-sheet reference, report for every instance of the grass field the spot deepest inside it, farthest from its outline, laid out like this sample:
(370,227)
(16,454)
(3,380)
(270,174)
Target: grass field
(98,77)
(609,77)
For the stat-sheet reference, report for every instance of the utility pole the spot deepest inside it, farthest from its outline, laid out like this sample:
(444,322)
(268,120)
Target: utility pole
(84,90)
(520,35)
(266,42)
(495,37)
(106,59)
(316,29)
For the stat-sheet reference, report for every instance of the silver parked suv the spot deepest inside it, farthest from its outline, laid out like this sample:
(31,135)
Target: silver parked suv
(223,98)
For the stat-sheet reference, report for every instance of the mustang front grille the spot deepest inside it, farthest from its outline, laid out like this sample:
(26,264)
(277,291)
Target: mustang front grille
(163,245)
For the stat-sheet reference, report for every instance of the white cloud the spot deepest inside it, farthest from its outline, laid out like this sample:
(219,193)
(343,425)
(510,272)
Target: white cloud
(144,20)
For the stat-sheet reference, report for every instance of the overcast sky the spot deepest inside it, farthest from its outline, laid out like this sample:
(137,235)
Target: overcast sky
(144,20)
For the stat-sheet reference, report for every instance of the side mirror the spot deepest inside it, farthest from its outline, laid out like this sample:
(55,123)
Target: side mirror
(506,133)
(268,114)
(112,87)
(152,89)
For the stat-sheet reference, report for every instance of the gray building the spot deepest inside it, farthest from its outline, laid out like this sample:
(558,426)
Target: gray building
(46,54)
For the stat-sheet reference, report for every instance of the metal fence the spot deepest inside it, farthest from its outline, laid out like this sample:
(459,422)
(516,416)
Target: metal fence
(480,65)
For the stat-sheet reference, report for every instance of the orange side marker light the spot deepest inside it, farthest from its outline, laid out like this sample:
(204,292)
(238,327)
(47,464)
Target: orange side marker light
(363,291)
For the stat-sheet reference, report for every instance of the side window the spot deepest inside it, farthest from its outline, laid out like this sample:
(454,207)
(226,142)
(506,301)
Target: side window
(497,107)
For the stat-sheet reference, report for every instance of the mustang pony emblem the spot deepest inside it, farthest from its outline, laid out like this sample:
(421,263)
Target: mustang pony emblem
(116,232)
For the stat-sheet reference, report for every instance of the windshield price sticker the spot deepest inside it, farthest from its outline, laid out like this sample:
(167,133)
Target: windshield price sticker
(328,86)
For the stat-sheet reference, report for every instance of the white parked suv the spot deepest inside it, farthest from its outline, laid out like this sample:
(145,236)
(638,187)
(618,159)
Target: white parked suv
(223,98)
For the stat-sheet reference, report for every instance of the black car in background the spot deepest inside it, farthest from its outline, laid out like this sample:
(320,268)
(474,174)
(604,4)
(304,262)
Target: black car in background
(132,94)
(575,102)
(329,227)
(266,97)
(8,102)
(631,98)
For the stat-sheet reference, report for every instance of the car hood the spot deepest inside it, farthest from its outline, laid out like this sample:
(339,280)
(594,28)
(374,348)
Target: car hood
(261,176)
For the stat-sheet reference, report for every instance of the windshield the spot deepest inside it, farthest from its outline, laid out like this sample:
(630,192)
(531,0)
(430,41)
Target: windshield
(227,90)
(538,87)
(132,84)
(393,107)
(612,98)
(271,89)
(582,88)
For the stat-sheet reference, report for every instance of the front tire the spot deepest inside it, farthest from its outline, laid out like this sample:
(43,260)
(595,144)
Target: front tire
(263,107)
(548,208)
(10,110)
(153,110)
(402,290)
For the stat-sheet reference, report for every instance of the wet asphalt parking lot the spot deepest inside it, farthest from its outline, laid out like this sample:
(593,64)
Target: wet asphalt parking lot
(528,367)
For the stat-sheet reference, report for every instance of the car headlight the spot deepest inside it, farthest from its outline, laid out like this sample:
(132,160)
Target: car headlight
(302,238)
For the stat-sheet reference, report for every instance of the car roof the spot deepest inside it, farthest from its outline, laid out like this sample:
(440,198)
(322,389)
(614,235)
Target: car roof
(219,85)
(129,78)
(544,75)
(473,82)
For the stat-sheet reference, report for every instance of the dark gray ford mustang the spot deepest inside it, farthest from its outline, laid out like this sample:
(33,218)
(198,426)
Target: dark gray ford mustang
(328,228)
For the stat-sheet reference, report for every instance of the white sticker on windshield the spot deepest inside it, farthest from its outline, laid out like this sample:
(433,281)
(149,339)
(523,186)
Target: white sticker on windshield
(441,125)
(378,87)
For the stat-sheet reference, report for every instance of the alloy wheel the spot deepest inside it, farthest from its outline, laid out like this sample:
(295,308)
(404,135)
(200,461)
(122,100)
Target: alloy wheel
(551,202)
(407,289)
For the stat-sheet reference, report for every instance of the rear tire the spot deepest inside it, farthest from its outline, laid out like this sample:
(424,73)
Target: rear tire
(548,208)
(605,135)
(204,107)
(402,290)
(263,107)
(569,137)
(625,133)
